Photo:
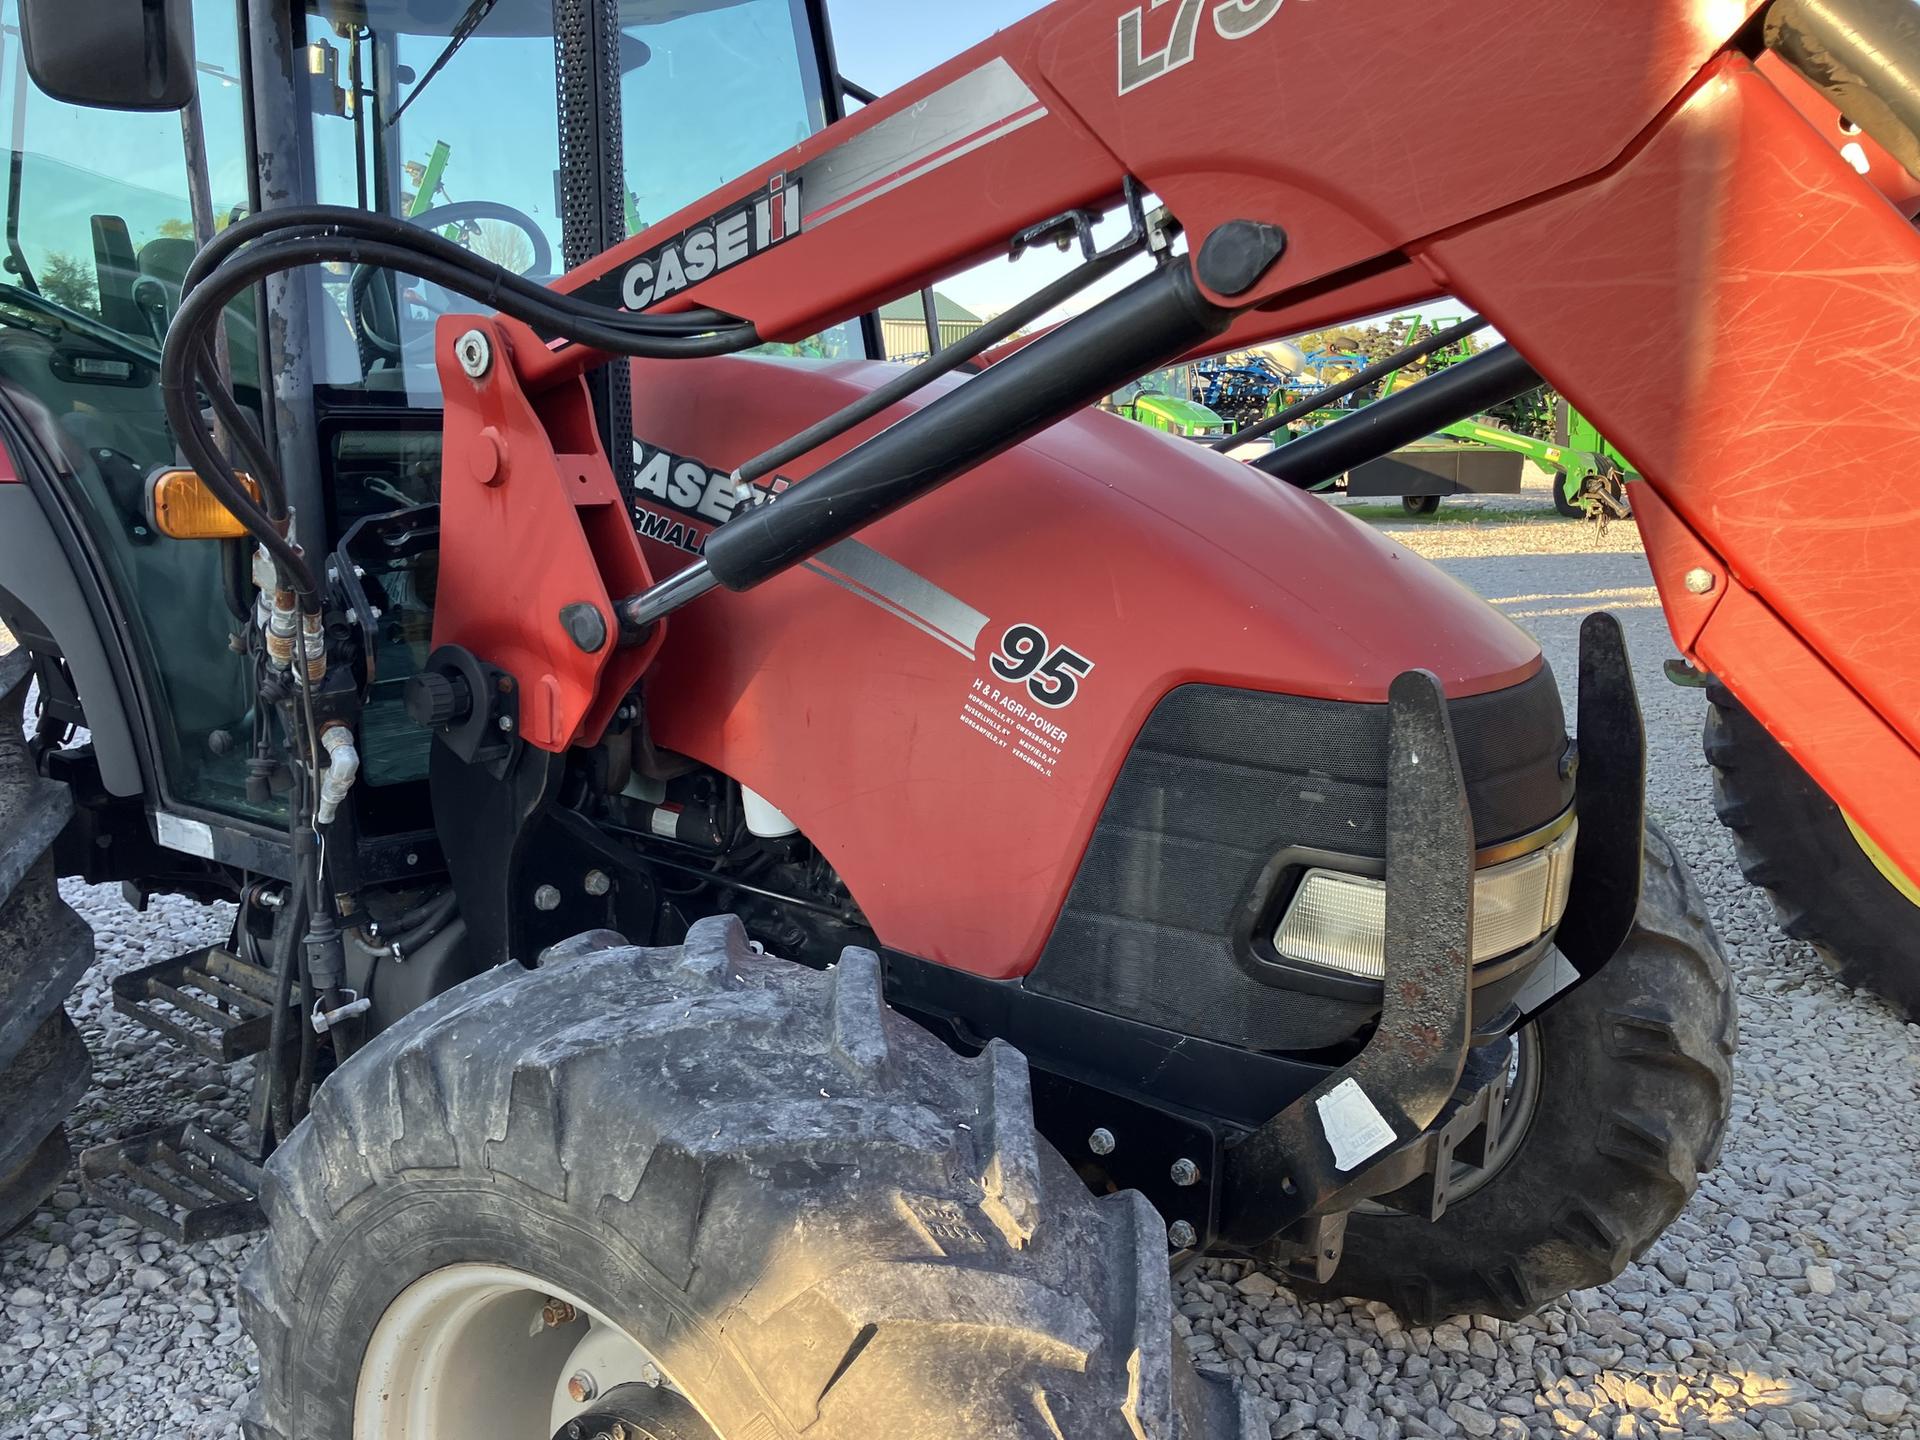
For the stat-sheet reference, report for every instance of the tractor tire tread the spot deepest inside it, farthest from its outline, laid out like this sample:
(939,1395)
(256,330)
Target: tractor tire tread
(45,948)
(1636,1091)
(704,1114)
(1791,840)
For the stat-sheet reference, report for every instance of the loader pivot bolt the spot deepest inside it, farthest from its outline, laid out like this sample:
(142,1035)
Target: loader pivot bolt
(1181,1235)
(581,1387)
(474,353)
(1185,1172)
(1101,1141)
(1700,581)
(585,626)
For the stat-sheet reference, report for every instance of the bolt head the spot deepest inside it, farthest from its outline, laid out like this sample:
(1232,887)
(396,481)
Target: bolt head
(1185,1172)
(1181,1235)
(558,1312)
(1101,1142)
(547,897)
(581,1387)
(505,722)
(474,353)
(585,626)
(1700,581)
(597,883)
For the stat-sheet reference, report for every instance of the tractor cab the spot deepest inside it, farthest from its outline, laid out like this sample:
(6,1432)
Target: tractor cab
(535,133)
(1164,400)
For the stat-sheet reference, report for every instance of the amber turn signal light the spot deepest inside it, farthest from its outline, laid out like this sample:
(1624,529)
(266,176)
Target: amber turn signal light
(183,508)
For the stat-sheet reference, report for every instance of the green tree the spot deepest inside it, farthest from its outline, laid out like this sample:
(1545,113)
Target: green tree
(71,282)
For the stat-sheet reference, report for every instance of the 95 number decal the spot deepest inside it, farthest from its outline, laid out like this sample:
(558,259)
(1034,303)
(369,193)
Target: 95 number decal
(1052,672)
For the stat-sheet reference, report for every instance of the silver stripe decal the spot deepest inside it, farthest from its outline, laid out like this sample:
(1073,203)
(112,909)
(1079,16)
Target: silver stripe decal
(877,160)
(1018,123)
(907,594)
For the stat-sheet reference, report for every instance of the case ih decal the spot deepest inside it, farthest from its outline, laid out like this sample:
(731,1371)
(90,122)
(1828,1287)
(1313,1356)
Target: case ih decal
(749,227)
(698,497)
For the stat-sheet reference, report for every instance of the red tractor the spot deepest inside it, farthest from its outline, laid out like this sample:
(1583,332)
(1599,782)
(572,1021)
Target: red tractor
(740,937)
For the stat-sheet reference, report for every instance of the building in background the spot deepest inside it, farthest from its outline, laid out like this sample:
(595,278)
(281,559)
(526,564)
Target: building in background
(903,325)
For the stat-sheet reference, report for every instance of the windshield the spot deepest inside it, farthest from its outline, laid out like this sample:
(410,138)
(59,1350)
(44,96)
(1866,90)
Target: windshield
(1175,381)
(424,107)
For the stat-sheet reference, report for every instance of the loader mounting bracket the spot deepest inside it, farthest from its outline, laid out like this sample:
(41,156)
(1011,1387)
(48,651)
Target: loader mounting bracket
(1610,797)
(1304,1159)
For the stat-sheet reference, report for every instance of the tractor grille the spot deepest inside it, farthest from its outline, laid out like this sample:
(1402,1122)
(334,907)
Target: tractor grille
(1222,792)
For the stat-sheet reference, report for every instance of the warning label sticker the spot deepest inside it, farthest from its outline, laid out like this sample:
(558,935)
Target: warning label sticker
(1354,1126)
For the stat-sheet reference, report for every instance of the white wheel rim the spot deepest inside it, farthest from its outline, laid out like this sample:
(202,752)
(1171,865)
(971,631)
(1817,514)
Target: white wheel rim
(466,1351)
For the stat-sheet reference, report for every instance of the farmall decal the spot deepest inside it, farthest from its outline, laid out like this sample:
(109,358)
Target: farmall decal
(698,492)
(749,227)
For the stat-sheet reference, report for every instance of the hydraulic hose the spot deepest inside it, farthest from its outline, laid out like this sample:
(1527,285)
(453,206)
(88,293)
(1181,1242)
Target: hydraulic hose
(219,281)
(426,927)
(286,948)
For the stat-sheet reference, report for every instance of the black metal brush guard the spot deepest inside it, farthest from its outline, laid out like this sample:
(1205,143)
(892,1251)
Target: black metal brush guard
(1312,1158)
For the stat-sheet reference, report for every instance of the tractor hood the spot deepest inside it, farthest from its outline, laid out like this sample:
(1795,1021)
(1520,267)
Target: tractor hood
(963,681)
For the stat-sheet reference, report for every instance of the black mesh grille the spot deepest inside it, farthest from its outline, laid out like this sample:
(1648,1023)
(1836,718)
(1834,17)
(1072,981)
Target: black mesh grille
(1220,783)
(593,183)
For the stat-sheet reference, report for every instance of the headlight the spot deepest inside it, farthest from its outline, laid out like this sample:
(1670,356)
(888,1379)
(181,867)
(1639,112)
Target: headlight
(1340,921)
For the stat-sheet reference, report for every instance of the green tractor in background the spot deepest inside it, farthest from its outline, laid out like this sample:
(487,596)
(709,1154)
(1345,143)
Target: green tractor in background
(1164,401)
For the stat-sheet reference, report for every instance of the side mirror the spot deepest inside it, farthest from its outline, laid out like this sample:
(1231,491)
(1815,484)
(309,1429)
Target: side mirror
(111,54)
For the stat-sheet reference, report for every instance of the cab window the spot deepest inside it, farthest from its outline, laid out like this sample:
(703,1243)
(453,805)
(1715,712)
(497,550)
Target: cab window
(99,231)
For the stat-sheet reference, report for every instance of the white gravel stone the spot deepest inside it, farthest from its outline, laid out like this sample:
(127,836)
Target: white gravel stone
(1882,1404)
(1724,1329)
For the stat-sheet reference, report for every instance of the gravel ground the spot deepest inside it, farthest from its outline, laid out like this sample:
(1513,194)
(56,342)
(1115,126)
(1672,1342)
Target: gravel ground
(1782,1304)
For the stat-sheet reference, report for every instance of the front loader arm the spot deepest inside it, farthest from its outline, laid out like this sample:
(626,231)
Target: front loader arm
(1620,189)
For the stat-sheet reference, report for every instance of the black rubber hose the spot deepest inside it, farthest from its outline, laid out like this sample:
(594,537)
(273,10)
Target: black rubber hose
(340,220)
(200,310)
(286,946)
(426,927)
(1333,394)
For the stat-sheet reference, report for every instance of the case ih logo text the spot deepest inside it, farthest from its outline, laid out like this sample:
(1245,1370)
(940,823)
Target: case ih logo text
(745,229)
(1232,19)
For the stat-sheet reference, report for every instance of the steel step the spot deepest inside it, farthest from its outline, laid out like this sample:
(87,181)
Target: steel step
(179,1181)
(208,999)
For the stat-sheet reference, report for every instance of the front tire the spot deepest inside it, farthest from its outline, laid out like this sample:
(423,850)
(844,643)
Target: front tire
(1795,843)
(1633,1097)
(808,1213)
(45,947)
(1420,504)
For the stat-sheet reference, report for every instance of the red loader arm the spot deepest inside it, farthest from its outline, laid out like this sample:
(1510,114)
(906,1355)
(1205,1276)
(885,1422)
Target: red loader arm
(1621,189)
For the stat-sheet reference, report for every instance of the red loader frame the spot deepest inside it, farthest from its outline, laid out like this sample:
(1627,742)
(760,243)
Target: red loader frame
(1645,205)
